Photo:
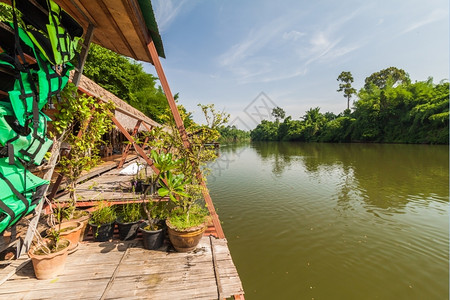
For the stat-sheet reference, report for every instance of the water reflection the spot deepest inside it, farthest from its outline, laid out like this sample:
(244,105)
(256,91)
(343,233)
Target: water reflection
(228,154)
(352,221)
(384,176)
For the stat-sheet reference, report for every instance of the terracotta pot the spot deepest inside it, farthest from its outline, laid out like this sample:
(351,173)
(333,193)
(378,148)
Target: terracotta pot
(83,220)
(185,240)
(49,266)
(72,235)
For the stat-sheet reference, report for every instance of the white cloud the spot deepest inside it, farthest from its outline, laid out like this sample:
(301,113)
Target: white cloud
(274,51)
(319,41)
(293,35)
(434,16)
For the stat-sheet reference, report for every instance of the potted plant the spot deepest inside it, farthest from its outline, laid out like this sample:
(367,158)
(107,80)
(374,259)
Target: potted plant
(128,220)
(138,179)
(66,217)
(102,222)
(71,231)
(187,220)
(153,229)
(49,255)
(184,178)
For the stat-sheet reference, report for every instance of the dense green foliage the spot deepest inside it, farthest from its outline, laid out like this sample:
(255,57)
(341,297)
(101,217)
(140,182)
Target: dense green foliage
(127,80)
(389,109)
(230,134)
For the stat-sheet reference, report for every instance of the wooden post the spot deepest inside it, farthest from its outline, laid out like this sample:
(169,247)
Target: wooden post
(180,126)
(83,55)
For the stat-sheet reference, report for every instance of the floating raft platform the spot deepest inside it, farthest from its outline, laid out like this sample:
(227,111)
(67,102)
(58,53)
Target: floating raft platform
(124,269)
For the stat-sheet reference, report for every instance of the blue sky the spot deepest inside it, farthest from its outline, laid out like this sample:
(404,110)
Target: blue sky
(229,52)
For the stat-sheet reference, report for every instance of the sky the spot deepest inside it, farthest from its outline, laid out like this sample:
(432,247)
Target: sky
(248,56)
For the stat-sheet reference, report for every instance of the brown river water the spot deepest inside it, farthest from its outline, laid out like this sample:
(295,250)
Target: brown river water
(336,221)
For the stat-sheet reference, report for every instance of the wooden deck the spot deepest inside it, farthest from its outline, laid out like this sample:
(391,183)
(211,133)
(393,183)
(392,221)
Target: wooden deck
(109,185)
(109,163)
(124,270)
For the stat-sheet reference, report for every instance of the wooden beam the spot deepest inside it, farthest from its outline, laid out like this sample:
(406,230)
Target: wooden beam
(180,126)
(216,269)
(82,11)
(83,55)
(148,127)
(165,85)
(125,153)
(139,150)
(136,17)
(116,27)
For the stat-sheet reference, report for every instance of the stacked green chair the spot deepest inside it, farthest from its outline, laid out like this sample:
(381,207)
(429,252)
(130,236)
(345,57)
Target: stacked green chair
(50,36)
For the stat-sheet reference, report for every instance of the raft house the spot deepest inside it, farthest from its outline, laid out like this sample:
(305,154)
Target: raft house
(114,269)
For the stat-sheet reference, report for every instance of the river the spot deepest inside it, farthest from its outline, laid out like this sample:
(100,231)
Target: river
(336,221)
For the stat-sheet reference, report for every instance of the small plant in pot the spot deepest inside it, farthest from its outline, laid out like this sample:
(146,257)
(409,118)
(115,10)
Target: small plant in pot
(153,229)
(137,183)
(187,220)
(128,220)
(71,222)
(102,222)
(49,255)
(69,230)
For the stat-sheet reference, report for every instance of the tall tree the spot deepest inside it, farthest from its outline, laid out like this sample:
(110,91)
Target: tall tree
(346,86)
(278,113)
(391,75)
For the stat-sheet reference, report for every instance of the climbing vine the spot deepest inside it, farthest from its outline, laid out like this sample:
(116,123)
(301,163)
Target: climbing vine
(79,112)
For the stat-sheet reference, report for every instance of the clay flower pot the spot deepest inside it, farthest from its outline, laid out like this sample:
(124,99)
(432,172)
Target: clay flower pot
(47,266)
(185,240)
(73,234)
(83,220)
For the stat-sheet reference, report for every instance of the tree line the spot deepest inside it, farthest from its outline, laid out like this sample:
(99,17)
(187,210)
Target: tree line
(388,109)
(231,134)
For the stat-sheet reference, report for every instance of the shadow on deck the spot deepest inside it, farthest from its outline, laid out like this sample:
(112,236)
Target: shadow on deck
(124,270)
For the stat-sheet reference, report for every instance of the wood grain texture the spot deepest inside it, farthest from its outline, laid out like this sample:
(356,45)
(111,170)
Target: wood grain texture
(124,270)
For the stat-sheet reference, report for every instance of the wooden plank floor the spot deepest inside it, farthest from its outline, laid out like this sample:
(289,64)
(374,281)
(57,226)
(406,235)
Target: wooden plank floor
(109,186)
(124,270)
(107,164)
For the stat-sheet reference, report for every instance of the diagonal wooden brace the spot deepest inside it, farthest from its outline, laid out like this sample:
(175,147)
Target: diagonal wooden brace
(125,152)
